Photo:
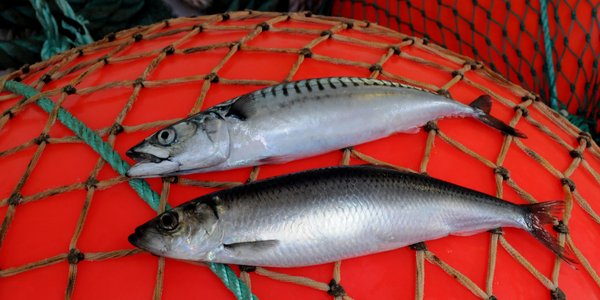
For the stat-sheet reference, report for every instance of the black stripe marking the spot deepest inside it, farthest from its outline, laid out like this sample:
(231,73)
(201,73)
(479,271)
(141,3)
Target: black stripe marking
(342,82)
(321,87)
(331,83)
(285,91)
(307,84)
(263,93)
(273,91)
(297,88)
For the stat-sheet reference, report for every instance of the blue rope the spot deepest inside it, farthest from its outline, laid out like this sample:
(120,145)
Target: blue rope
(227,276)
(548,45)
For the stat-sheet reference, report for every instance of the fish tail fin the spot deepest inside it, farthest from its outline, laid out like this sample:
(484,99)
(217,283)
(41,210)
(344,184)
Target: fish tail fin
(537,215)
(482,106)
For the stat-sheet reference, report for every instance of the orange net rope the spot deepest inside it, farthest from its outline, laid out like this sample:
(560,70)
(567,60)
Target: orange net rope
(111,50)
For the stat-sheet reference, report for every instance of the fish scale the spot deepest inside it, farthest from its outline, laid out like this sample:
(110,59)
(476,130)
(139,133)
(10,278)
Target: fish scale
(329,214)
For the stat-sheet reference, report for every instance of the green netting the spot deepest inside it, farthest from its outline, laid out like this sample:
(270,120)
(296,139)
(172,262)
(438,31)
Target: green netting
(509,37)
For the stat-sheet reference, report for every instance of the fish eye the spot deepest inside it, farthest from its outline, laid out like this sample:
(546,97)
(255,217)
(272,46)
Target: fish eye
(168,221)
(166,136)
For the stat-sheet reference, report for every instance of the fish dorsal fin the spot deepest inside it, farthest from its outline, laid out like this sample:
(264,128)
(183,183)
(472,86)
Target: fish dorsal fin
(253,246)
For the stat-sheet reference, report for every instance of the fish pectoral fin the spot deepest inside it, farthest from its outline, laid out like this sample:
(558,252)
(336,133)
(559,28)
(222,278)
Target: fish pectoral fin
(251,245)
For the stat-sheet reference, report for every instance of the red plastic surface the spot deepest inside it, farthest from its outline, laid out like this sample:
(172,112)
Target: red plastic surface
(44,227)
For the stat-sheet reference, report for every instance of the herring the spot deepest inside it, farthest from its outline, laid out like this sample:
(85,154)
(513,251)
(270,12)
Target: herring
(328,214)
(296,120)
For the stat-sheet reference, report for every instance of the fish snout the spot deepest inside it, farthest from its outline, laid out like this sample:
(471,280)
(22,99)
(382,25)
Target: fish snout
(134,238)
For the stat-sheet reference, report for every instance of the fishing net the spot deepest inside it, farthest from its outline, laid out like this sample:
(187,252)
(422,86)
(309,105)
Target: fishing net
(549,47)
(147,68)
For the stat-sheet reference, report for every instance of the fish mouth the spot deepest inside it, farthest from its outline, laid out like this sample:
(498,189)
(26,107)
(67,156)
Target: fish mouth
(143,156)
(142,241)
(136,238)
(147,169)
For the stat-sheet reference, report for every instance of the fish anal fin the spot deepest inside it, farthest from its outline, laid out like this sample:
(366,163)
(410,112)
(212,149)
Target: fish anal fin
(413,130)
(468,233)
(251,245)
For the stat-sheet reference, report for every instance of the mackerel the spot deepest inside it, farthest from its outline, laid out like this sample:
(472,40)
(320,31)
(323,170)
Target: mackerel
(296,120)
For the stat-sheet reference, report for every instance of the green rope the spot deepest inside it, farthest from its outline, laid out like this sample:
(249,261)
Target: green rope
(548,49)
(227,276)
(71,25)
(233,283)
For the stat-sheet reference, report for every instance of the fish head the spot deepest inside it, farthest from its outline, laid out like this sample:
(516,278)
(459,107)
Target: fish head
(198,142)
(188,232)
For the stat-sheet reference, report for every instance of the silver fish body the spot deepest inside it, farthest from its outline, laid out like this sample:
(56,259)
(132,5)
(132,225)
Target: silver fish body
(295,120)
(330,214)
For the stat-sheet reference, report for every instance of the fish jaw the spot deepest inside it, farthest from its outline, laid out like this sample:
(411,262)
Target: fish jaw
(140,240)
(146,169)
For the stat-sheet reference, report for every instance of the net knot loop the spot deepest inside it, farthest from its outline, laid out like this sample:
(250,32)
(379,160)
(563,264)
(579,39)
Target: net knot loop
(247,269)
(138,37)
(199,27)
(75,256)
(168,50)
(474,64)
(568,182)
(111,37)
(557,294)
(492,297)
(116,129)
(171,179)
(444,92)
(498,231)
(524,111)
(212,77)
(528,97)
(585,137)
(15,199)
(138,82)
(8,113)
(335,289)
(575,154)
(327,33)
(91,183)
(396,50)
(46,78)
(420,246)
(349,25)
(375,67)
(306,52)
(409,39)
(502,171)
(25,68)
(431,125)
(69,89)
(43,138)
(458,73)
(264,26)
(561,227)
